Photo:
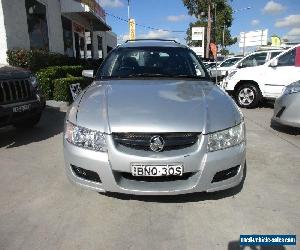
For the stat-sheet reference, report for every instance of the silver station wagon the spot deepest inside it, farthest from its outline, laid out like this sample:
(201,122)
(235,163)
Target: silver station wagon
(152,123)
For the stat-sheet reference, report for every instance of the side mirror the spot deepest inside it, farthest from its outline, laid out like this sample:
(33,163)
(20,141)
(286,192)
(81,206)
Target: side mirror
(88,73)
(274,63)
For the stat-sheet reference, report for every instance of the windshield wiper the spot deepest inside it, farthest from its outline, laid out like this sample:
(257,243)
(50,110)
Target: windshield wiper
(149,75)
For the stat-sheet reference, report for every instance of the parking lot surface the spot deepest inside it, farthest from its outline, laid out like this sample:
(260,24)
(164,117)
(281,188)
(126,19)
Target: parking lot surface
(41,209)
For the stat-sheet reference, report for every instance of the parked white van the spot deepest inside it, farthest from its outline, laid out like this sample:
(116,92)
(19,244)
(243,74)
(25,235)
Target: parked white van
(250,85)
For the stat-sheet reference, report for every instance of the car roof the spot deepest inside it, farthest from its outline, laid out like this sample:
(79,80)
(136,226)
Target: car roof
(151,43)
(268,50)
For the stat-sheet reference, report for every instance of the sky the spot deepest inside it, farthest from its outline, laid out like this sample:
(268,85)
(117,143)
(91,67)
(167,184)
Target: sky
(280,17)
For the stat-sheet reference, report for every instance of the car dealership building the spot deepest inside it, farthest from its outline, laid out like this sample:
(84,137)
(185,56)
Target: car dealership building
(76,28)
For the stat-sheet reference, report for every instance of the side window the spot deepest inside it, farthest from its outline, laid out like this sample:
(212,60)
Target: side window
(287,59)
(273,54)
(255,60)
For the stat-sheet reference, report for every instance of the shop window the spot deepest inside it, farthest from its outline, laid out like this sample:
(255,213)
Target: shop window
(68,36)
(79,40)
(37,24)
(100,46)
(89,44)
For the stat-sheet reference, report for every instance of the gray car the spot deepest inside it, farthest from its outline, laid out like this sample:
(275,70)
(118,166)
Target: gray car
(152,123)
(287,106)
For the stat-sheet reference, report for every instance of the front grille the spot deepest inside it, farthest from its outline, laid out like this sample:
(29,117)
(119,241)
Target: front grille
(141,141)
(168,178)
(15,91)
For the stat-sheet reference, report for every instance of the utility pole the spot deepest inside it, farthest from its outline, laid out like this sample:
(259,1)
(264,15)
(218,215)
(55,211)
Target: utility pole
(208,30)
(128,9)
(223,37)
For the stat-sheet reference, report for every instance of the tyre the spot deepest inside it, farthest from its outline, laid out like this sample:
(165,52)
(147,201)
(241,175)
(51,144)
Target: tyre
(28,122)
(248,95)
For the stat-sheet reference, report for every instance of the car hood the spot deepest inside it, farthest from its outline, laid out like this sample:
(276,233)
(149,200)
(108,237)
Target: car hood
(10,72)
(156,106)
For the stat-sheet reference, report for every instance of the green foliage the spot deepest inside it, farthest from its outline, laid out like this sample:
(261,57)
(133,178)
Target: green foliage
(39,59)
(61,90)
(48,75)
(224,18)
(36,59)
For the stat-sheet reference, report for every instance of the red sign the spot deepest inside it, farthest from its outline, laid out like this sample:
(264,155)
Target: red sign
(213,49)
(94,6)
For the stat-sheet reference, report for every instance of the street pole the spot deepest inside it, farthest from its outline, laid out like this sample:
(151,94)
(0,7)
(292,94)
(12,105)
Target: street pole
(128,9)
(215,35)
(223,37)
(208,31)
(128,13)
(244,44)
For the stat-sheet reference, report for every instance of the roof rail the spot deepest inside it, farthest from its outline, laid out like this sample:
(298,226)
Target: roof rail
(162,40)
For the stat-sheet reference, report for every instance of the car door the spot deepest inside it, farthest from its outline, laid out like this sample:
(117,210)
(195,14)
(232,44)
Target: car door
(275,78)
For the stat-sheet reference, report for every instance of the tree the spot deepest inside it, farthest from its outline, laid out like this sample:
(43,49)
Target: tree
(220,28)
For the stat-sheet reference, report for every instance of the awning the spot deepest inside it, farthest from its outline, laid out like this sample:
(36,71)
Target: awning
(90,9)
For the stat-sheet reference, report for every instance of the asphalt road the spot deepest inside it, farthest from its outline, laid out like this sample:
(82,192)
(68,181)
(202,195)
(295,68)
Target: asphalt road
(41,209)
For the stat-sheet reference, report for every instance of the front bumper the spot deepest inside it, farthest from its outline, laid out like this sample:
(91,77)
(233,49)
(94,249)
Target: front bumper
(109,167)
(7,116)
(286,110)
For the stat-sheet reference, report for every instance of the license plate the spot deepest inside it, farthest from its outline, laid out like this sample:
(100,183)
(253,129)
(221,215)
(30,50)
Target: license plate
(156,170)
(21,108)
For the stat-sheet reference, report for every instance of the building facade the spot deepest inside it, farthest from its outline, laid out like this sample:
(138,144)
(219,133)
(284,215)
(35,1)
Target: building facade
(76,28)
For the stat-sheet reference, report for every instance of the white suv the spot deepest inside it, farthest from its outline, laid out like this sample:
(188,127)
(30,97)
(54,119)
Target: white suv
(254,59)
(250,85)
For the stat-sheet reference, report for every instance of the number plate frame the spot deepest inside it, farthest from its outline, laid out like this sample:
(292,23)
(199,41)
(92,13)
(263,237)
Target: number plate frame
(141,169)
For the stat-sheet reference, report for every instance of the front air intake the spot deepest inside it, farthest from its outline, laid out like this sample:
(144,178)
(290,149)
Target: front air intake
(226,174)
(86,174)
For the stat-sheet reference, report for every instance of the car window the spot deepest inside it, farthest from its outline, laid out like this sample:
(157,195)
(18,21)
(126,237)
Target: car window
(254,60)
(152,62)
(287,59)
(229,62)
(273,54)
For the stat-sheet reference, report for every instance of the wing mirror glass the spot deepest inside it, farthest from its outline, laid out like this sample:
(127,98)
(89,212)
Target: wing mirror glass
(88,73)
(274,63)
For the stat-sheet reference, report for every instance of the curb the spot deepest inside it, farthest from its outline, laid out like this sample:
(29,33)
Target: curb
(62,106)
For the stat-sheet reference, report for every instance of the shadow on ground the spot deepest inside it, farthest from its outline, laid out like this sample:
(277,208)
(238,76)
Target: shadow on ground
(184,198)
(267,104)
(235,245)
(51,124)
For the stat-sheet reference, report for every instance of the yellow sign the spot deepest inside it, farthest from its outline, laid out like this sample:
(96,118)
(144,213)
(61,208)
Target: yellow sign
(131,29)
(275,41)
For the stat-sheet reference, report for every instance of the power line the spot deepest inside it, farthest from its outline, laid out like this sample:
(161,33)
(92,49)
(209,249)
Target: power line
(144,26)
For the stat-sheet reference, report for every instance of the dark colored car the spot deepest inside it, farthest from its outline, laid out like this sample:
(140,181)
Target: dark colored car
(21,101)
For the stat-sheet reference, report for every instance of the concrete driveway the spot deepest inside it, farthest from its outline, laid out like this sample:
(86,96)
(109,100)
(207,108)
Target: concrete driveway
(41,209)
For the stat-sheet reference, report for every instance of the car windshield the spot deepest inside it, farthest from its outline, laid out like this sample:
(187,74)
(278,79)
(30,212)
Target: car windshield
(166,62)
(230,62)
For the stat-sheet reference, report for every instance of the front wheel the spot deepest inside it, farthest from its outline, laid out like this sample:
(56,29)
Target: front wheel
(248,96)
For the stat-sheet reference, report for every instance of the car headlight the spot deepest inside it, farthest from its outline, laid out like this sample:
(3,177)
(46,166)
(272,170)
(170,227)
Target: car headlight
(231,74)
(34,82)
(292,88)
(226,138)
(85,138)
